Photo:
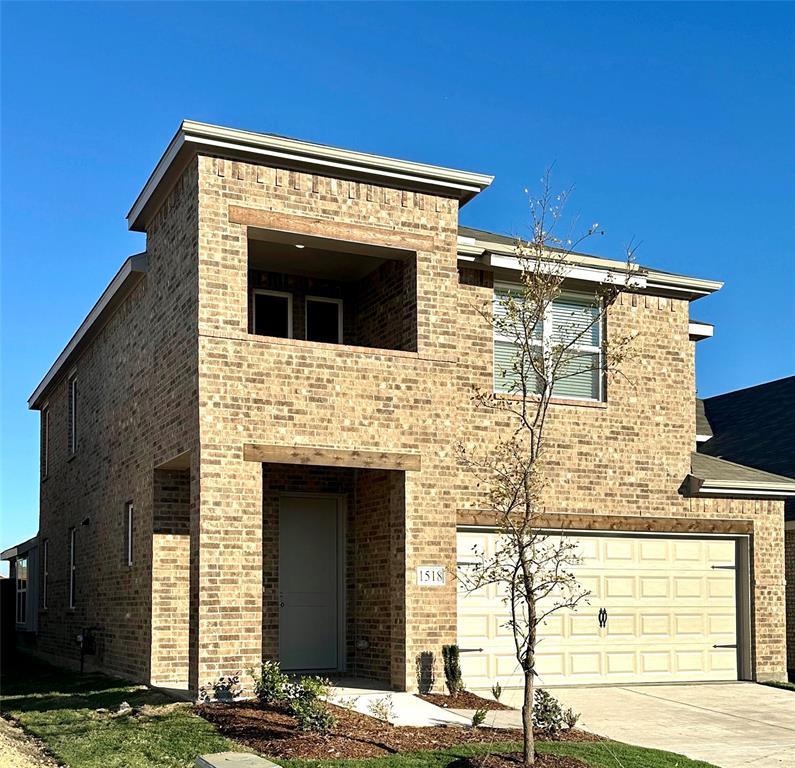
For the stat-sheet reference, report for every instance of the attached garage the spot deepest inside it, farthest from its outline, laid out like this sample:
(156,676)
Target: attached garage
(670,607)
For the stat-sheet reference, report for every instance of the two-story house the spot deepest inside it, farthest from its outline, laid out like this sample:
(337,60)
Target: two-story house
(249,447)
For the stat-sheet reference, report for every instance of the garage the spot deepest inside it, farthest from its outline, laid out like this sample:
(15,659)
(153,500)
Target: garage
(669,613)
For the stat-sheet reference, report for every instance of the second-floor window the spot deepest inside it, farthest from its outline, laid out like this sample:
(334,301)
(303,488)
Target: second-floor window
(45,441)
(22,589)
(72,415)
(128,533)
(324,319)
(273,313)
(45,571)
(568,338)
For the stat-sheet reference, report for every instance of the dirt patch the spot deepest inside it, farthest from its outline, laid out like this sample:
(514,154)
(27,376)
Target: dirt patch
(462,700)
(273,731)
(19,750)
(514,760)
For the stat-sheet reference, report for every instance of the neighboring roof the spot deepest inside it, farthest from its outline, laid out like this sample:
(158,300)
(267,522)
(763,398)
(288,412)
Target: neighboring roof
(755,426)
(133,269)
(193,138)
(479,243)
(716,477)
(20,549)
(703,429)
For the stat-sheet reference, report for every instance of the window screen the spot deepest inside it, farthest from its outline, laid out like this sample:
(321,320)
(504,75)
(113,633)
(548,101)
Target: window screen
(324,320)
(272,314)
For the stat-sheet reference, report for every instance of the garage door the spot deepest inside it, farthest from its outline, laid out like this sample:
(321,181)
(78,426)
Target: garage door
(670,616)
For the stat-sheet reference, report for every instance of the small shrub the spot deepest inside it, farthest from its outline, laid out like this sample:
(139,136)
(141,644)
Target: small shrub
(479,717)
(496,690)
(547,714)
(452,669)
(570,717)
(225,688)
(305,699)
(382,708)
(426,671)
(270,683)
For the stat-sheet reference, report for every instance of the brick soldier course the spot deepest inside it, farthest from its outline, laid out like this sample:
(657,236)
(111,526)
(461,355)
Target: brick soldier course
(201,424)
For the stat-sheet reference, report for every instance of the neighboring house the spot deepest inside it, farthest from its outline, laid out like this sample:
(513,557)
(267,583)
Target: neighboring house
(249,447)
(24,570)
(756,427)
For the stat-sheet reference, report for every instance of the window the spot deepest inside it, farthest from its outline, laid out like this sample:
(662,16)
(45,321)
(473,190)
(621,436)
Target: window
(72,553)
(128,533)
(45,575)
(324,319)
(569,335)
(72,416)
(273,313)
(22,589)
(45,441)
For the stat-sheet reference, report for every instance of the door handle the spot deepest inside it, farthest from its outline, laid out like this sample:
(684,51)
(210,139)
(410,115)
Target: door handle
(602,616)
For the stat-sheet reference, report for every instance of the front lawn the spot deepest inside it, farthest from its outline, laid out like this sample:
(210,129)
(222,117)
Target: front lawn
(60,708)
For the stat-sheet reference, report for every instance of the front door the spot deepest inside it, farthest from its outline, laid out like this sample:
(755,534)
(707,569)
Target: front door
(309,583)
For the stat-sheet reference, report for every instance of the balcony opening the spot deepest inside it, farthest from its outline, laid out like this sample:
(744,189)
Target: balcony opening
(331,291)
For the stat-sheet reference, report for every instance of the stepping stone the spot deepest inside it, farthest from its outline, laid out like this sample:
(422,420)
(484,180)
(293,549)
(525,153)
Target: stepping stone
(233,760)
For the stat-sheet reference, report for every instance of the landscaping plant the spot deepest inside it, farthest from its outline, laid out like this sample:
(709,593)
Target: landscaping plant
(496,690)
(533,569)
(478,717)
(382,709)
(452,669)
(548,715)
(270,683)
(570,717)
(306,701)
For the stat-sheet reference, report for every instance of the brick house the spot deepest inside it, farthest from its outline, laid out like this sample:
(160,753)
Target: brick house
(755,427)
(249,445)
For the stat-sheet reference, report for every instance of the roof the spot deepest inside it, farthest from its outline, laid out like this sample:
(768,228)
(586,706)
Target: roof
(119,288)
(479,243)
(703,429)
(20,549)
(710,476)
(755,426)
(194,138)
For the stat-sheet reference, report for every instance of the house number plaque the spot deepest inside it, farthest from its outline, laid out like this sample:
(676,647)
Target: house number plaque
(430,575)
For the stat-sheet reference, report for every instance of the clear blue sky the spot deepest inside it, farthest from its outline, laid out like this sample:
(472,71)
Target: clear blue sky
(676,122)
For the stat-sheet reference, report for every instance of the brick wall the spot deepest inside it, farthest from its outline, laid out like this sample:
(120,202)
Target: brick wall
(789,571)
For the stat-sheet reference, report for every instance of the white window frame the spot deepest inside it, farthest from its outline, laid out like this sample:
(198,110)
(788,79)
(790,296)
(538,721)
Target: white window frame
(72,532)
(129,511)
(72,394)
(45,441)
(45,575)
(266,292)
(547,341)
(21,590)
(326,300)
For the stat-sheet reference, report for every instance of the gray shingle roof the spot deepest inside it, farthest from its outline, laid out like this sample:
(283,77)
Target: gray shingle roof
(702,423)
(710,469)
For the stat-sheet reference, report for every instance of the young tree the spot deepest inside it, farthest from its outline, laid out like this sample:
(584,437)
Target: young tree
(551,338)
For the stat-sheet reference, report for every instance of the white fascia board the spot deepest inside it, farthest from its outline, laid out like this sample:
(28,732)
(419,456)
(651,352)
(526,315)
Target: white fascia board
(575,272)
(699,331)
(703,438)
(195,137)
(750,490)
(134,264)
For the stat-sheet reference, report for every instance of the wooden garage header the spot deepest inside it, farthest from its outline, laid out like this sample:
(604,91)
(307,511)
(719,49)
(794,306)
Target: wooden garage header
(331,457)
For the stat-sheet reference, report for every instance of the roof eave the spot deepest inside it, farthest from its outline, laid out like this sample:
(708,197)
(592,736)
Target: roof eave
(133,269)
(194,138)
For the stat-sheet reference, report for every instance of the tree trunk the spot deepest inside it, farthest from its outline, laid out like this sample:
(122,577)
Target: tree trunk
(528,751)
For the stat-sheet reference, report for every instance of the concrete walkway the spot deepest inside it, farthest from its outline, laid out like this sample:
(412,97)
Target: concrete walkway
(731,725)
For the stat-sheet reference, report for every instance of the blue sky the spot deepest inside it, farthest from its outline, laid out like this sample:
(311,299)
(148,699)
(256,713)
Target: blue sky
(676,123)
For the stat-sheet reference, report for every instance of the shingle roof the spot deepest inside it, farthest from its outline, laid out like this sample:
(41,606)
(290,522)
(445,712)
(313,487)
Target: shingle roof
(702,423)
(755,426)
(720,471)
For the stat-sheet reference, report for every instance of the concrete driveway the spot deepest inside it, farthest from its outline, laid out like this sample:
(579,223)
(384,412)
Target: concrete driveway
(727,724)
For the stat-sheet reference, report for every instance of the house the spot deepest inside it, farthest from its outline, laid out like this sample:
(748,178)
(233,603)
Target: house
(23,571)
(756,427)
(249,446)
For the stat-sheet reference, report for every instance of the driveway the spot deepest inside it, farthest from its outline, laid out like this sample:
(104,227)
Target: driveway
(727,724)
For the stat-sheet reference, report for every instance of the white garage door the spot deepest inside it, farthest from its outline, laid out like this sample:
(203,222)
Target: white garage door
(671,616)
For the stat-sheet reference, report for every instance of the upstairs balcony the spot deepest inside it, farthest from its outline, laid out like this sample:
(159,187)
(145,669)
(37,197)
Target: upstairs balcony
(329,291)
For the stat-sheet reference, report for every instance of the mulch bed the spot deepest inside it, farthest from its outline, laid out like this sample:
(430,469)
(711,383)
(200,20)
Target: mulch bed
(462,700)
(514,760)
(272,731)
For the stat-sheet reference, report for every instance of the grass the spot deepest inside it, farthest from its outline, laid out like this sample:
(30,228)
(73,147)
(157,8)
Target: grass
(59,707)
